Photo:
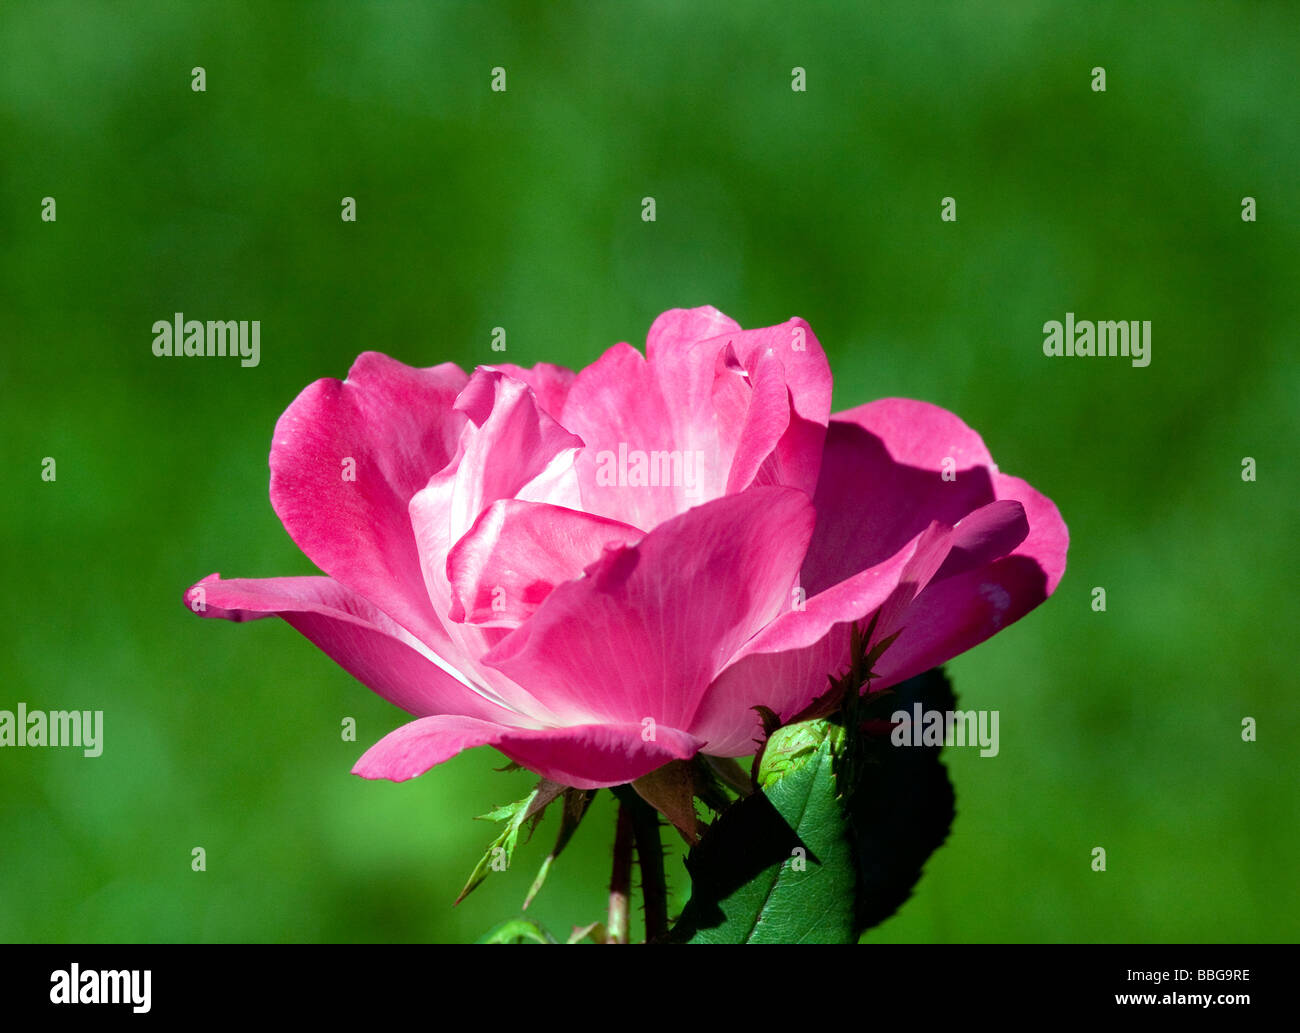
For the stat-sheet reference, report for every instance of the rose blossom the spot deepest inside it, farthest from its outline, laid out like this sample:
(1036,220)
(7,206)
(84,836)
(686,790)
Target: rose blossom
(598,573)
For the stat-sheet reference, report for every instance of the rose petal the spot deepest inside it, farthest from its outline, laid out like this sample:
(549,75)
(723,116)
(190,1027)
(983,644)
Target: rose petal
(360,638)
(397,427)
(511,444)
(757,460)
(508,448)
(645,631)
(616,407)
(959,612)
(789,663)
(679,329)
(705,391)
(807,377)
(882,483)
(583,756)
(517,552)
(550,383)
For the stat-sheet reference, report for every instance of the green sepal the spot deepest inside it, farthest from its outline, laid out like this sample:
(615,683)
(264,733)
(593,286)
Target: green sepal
(514,815)
(576,802)
(518,930)
(593,933)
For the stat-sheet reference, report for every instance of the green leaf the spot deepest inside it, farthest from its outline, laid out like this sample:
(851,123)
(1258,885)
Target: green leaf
(777,866)
(866,815)
(903,805)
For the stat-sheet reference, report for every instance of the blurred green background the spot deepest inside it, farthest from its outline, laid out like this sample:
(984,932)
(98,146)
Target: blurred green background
(523,210)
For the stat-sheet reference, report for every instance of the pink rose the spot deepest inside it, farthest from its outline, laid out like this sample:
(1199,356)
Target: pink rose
(598,573)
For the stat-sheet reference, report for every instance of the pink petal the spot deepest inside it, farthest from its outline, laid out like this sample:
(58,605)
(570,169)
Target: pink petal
(361,639)
(679,328)
(988,533)
(807,372)
(882,483)
(550,383)
(749,407)
(807,377)
(508,448)
(767,419)
(789,663)
(691,351)
(703,384)
(960,611)
(584,756)
(511,444)
(616,407)
(397,426)
(645,631)
(517,552)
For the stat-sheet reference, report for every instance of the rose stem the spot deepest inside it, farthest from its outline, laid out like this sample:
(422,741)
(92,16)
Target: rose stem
(620,880)
(650,855)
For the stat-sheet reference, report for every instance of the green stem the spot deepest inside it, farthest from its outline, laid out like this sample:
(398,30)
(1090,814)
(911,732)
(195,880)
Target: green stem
(620,880)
